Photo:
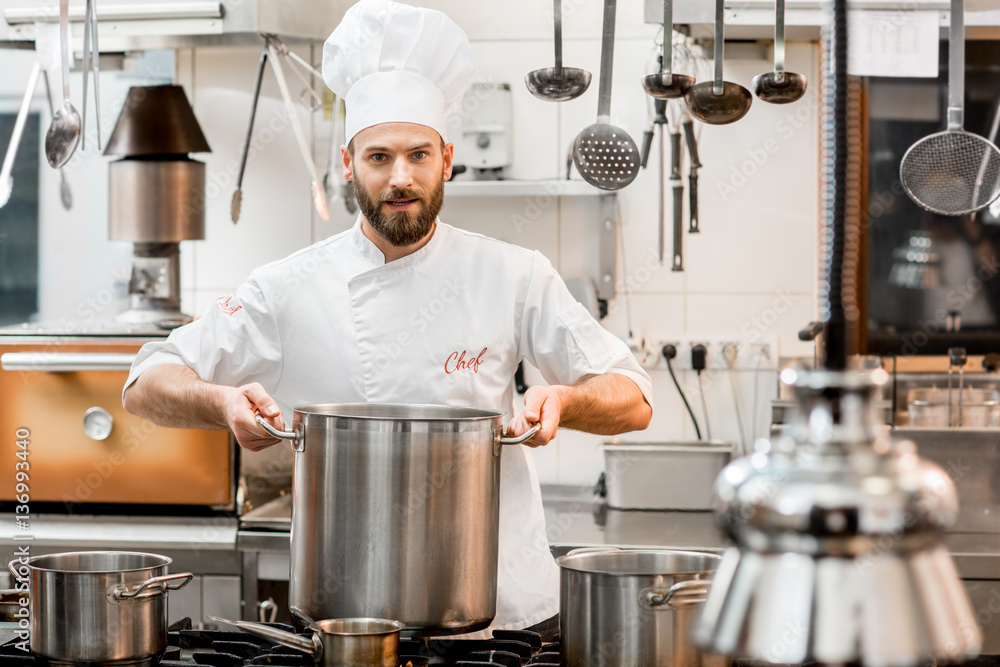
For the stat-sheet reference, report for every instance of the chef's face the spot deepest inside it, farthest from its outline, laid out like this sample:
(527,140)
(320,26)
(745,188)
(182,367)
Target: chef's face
(399,170)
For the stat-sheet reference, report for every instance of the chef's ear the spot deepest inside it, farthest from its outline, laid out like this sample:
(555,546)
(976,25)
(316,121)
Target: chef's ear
(448,154)
(345,152)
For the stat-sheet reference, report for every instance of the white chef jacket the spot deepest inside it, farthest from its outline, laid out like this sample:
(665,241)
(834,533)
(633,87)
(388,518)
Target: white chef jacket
(447,324)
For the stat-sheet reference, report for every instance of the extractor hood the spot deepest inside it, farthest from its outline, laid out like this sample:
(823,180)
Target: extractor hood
(754,19)
(139,25)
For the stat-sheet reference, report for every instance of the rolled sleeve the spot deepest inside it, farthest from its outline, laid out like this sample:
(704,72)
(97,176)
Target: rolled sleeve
(235,342)
(561,338)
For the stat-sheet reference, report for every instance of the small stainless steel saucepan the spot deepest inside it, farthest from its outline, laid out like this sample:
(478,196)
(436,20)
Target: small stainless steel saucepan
(339,642)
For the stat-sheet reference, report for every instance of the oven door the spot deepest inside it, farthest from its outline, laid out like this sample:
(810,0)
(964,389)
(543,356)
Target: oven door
(62,412)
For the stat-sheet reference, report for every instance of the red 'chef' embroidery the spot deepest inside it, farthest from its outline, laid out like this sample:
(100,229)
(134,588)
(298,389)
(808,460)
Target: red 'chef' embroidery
(458,362)
(223,302)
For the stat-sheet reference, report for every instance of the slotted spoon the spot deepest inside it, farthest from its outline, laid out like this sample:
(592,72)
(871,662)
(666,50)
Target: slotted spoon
(605,155)
(953,172)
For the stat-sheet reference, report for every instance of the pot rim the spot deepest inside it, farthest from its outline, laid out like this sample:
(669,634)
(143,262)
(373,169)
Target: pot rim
(567,562)
(391,627)
(356,411)
(166,560)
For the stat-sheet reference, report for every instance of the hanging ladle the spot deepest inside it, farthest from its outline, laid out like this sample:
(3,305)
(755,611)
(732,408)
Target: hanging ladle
(557,84)
(666,85)
(779,86)
(718,102)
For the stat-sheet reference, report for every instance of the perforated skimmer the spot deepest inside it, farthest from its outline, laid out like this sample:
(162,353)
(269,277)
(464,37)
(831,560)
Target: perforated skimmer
(605,155)
(953,172)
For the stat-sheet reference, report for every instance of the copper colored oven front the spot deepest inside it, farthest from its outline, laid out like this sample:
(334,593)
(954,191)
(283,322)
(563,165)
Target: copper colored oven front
(117,457)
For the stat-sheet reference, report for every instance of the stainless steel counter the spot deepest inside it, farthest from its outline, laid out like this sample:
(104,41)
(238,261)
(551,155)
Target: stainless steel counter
(574,518)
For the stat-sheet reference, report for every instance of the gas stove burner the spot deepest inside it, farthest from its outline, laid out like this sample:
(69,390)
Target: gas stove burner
(231,648)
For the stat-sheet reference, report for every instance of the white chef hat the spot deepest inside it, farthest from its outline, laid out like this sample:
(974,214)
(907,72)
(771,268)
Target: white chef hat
(393,63)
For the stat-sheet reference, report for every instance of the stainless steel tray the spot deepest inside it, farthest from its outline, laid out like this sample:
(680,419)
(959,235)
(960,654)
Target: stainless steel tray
(663,475)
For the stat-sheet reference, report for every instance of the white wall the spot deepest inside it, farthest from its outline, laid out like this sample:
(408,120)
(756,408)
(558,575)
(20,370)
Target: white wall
(755,259)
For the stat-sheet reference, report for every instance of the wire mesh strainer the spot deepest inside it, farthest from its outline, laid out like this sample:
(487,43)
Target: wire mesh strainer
(953,172)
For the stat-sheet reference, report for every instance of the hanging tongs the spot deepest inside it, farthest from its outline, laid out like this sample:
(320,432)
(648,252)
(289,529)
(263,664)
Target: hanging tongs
(318,194)
(91,58)
(309,98)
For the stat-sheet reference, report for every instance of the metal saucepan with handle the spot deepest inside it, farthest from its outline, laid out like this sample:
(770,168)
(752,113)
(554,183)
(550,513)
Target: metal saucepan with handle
(395,513)
(623,607)
(339,642)
(118,601)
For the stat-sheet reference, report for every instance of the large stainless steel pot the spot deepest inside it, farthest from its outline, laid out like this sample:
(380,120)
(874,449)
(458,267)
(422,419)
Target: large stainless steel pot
(395,513)
(98,607)
(621,608)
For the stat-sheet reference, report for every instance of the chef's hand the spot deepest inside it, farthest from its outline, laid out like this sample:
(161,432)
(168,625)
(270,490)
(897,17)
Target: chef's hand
(241,410)
(541,405)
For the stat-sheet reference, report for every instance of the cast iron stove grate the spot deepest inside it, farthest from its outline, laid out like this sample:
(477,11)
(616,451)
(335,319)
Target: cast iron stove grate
(232,648)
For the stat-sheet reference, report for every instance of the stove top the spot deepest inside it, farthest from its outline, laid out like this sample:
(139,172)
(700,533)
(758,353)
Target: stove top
(232,648)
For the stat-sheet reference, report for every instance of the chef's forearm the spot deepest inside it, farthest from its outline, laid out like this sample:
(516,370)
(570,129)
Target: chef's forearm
(604,404)
(173,395)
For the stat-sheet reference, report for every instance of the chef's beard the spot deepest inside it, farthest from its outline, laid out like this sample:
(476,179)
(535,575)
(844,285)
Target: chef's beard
(405,227)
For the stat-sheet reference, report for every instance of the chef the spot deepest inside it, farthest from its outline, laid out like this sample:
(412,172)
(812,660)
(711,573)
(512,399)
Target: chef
(402,307)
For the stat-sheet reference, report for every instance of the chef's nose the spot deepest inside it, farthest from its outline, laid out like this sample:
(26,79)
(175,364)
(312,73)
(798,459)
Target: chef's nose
(402,173)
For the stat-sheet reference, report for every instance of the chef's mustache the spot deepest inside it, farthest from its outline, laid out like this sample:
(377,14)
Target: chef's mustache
(400,194)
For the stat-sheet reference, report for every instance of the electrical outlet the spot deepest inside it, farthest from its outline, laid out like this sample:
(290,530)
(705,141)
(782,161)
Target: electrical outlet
(745,355)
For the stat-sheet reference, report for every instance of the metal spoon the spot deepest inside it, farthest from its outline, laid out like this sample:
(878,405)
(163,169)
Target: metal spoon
(65,194)
(718,102)
(6,181)
(666,85)
(605,155)
(64,133)
(557,84)
(779,86)
(238,195)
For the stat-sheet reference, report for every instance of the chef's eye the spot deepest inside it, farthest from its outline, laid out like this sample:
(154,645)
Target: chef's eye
(420,155)
(378,157)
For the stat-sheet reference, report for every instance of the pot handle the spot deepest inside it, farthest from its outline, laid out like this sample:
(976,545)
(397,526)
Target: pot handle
(682,594)
(313,646)
(17,575)
(291,436)
(169,582)
(523,437)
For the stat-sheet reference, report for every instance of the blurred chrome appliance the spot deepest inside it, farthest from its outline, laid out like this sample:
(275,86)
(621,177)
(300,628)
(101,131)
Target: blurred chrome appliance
(156,196)
(839,536)
(483,143)
(839,554)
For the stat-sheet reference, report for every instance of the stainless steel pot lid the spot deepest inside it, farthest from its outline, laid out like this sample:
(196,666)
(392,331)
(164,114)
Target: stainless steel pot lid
(641,562)
(396,411)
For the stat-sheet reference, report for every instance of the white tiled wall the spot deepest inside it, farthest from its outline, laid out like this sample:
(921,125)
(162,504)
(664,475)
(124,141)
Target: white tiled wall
(754,261)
